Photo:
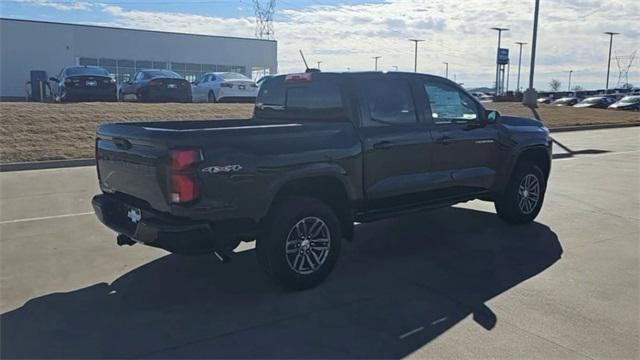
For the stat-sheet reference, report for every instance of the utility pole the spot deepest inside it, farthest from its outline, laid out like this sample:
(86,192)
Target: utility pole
(508,69)
(499,30)
(415,54)
(611,34)
(520,43)
(569,87)
(376,61)
(530,96)
(446,71)
(319,62)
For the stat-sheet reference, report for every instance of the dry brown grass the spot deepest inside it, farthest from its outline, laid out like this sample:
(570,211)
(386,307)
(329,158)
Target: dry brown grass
(35,131)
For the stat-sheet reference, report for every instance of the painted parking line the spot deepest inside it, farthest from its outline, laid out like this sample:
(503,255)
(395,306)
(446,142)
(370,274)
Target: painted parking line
(45,218)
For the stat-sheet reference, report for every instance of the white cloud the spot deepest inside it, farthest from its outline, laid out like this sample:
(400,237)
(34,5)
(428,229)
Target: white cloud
(348,35)
(58,5)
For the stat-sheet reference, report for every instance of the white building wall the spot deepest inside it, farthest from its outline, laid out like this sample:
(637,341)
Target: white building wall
(32,45)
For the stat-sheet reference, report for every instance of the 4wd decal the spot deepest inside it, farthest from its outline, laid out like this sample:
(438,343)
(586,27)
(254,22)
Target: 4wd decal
(221,169)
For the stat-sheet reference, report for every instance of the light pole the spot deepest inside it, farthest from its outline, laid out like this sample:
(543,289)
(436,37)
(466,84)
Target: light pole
(446,71)
(520,43)
(499,30)
(530,96)
(569,87)
(606,88)
(415,54)
(319,62)
(376,61)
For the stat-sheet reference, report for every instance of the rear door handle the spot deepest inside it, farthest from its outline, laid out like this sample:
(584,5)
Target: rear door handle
(444,140)
(382,145)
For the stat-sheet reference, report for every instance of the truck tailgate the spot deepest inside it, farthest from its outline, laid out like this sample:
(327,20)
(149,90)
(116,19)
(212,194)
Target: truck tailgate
(133,167)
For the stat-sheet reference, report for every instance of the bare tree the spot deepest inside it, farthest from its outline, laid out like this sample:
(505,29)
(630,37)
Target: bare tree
(555,84)
(577,88)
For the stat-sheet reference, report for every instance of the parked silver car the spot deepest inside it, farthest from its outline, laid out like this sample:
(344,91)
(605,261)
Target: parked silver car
(224,87)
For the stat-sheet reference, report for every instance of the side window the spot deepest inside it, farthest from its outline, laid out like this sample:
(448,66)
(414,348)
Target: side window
(390,103)
(205,78)
(449,104)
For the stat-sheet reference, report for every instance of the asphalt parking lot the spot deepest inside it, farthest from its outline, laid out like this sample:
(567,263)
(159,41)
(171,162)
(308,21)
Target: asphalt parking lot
(451,283)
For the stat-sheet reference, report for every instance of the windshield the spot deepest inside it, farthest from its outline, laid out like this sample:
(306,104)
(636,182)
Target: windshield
(630,99)
(593,100)
(162,73)
(75,71)
(232,76)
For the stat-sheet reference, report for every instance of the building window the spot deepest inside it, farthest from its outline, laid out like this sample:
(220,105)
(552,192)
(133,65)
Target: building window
(159,65)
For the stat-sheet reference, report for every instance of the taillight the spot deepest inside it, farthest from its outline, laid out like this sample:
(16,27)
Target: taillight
(227,85)
(303,77)
(155,83)
(184,185)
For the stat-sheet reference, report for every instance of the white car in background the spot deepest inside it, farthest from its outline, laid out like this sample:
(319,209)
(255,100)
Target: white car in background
(224,87)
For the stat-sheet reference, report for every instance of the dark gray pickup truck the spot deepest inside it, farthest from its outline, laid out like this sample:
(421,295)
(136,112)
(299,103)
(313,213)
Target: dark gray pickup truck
(322,151)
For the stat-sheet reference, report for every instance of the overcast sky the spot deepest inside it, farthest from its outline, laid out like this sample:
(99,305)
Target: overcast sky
(345,34)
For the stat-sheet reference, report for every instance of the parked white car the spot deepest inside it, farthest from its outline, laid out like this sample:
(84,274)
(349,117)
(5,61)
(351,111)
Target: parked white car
(224,87)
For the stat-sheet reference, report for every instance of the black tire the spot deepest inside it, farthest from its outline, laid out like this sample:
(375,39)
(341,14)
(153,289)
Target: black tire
(518,205)
(295,270)
(211,97)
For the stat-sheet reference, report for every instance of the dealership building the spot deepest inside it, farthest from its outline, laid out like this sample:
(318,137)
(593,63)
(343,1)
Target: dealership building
(27,45)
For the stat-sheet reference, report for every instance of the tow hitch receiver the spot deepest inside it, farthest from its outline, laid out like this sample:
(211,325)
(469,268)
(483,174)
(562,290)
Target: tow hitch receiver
(122,240)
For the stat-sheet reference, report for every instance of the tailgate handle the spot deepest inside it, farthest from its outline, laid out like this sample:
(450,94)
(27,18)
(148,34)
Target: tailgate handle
(122,143)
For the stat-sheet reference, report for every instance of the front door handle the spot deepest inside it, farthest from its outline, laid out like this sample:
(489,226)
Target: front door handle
(383,145)
(444,140)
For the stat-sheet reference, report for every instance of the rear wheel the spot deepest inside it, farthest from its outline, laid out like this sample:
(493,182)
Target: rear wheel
(301,243)
(211,97)
(523,196)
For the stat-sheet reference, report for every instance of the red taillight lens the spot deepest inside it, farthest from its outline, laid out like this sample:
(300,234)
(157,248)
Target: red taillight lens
(180,160)
(183,181)
(155,83)
(303,77)
(183,188)
(227,85)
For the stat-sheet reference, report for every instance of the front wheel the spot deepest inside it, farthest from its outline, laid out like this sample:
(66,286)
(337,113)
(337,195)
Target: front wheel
(523,196)
(300,244)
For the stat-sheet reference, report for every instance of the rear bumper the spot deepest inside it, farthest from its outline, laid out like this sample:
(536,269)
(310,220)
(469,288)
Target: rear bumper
(155,229)
(90,94)
(167,95)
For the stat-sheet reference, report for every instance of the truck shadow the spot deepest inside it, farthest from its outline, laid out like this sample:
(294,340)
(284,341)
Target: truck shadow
(399,285)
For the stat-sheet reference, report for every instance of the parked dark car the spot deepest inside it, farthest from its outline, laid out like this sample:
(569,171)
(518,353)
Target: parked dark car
(566,101)
(599,102)
(322,151)
(84,83)
(627,103)
(156,86)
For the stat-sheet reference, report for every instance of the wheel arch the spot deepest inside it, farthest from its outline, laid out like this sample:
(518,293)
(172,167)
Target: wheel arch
(327,187)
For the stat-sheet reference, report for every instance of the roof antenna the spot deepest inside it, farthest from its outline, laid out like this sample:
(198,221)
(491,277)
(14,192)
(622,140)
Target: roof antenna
(308,69)
(304,60)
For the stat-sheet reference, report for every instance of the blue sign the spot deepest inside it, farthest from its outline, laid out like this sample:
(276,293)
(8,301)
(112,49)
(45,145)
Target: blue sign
(503,56)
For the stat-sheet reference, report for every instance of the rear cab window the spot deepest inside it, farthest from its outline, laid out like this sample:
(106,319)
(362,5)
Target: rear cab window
(312,97)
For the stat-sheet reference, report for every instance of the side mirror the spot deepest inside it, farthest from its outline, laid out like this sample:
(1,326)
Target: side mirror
(54,79)
(492,116)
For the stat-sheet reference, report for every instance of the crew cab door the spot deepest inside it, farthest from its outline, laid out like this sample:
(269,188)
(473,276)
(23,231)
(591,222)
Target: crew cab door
(396,160)
(465,150)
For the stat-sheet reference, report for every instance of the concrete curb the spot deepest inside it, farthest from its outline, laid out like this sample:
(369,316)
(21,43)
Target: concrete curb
(51,164)
(593,127)
(55,164)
